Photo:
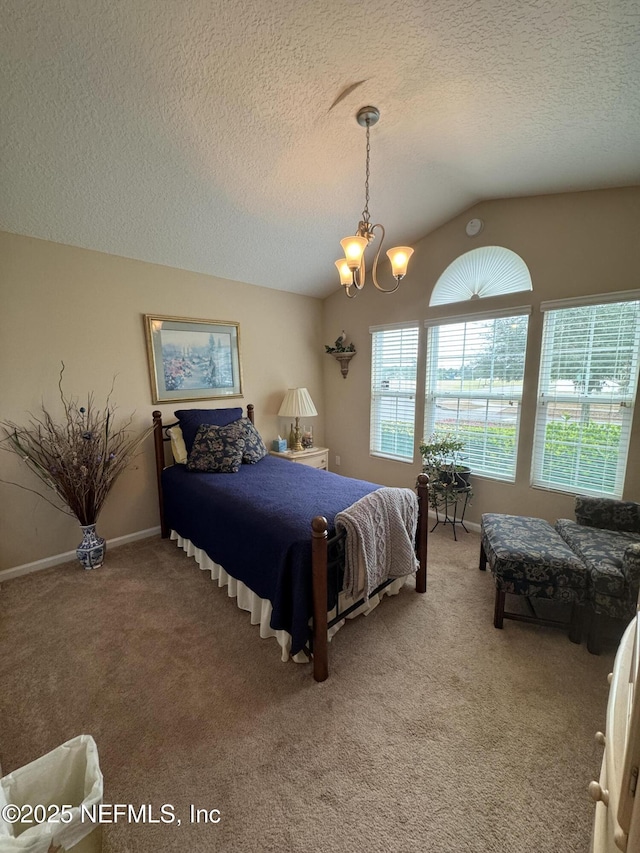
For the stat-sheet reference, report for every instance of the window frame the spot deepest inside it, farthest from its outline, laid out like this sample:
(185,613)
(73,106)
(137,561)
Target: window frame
(379,395)
(433,327)
(626,399)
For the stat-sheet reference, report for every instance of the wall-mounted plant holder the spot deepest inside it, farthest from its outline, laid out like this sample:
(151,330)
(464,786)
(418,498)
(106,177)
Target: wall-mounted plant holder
(342,353)
(344,358)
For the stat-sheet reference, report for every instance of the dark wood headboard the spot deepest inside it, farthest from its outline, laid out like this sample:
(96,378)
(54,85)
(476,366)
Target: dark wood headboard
(160,435)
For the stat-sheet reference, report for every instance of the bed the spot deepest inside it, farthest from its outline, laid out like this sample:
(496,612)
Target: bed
(269,530)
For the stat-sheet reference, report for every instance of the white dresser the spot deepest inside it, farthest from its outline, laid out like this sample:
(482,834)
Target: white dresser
(616,823)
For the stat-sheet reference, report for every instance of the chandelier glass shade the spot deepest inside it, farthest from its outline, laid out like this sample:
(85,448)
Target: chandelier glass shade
(351,268)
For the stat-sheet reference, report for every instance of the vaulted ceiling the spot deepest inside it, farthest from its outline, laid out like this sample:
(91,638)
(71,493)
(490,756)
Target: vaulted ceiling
(201,134)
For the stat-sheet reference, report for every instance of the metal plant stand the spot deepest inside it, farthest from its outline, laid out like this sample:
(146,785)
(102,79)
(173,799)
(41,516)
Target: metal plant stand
(448,508)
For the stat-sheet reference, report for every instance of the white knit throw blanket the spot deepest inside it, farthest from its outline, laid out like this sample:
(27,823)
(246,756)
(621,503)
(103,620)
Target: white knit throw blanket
(381,529)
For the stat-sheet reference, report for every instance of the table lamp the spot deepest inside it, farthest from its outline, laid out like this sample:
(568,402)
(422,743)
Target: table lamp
(297,404)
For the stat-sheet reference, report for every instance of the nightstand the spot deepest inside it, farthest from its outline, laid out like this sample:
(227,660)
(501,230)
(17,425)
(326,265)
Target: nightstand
(316,457)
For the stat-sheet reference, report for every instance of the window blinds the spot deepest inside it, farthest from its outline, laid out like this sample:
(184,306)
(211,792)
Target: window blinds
(474,380)
(586,393)
(394,361)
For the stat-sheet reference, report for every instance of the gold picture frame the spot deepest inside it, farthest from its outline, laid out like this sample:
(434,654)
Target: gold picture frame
(191,359)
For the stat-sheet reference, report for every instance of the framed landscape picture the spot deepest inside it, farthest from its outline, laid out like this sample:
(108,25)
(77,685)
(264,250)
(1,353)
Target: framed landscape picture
(192,359)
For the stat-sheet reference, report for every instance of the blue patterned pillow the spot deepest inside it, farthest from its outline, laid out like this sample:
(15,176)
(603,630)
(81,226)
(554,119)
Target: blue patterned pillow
(254,447)
(217,449)
(191,419)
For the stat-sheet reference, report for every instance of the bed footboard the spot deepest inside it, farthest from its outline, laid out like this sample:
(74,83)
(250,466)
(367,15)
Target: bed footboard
(422,532)
(319,559)
(319,567)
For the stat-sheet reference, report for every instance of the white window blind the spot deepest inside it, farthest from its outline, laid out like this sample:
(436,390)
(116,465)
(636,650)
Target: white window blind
(474,379)
(586,393)
(394,362)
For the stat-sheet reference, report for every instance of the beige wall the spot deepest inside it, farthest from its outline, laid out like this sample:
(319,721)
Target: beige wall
(574,243)
(85,308)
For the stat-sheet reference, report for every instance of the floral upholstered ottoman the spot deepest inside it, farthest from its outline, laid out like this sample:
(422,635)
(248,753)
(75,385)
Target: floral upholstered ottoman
(528,557)
(606,537)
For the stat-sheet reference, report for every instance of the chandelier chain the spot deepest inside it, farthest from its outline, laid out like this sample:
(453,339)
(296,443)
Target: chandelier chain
(365,212)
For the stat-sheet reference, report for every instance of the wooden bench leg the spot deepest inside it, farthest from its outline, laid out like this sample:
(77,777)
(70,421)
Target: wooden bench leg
(575,626)
(483,559)
(498,613)
(594,637)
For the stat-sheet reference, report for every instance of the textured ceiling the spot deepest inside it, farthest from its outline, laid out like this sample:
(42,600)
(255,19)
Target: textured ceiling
(200,134)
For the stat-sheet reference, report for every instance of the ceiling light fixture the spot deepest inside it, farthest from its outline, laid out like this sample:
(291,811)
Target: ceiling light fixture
(351,267)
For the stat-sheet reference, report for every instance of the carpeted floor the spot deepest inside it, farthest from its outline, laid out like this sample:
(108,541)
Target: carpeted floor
(435,732)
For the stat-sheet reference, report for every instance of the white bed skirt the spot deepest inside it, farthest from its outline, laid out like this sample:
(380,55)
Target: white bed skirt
(260,608)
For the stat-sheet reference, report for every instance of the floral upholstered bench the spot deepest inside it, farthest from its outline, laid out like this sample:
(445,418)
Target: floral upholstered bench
(528,557)
(606,537)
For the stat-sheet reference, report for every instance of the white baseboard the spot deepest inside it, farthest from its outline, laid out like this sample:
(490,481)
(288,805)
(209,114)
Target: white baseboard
(57,559)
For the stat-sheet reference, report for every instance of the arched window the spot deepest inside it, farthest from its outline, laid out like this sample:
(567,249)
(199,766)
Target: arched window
(487,271)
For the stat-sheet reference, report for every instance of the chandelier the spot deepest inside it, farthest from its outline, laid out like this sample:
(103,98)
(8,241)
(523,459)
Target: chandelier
(351,267)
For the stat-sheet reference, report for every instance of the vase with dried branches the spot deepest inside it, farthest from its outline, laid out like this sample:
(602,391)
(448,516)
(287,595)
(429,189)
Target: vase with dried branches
(78,457)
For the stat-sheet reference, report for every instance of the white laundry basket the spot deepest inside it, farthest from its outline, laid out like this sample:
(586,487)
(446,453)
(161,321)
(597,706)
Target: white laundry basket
(68,777)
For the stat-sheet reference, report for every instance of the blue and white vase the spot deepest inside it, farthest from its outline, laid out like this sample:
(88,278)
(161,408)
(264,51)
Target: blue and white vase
(92,549)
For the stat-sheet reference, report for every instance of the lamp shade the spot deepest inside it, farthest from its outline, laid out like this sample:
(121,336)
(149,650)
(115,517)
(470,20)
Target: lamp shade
(354,250)
(399,258)
(346,276)
(297,403)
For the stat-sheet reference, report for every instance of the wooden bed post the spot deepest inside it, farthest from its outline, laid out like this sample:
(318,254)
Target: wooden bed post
(158,442)
(250,413)
(423,516)
(319,571)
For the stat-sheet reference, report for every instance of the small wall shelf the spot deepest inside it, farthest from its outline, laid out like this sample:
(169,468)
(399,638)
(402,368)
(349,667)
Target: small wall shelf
(344,358)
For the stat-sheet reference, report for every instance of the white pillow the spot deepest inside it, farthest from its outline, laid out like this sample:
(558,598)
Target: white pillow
(178,447)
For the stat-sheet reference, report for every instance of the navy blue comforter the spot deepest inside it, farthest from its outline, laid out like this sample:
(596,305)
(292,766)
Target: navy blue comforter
(257,525)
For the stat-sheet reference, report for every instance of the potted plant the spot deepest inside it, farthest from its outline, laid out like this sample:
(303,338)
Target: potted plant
(442,462)
(78,455)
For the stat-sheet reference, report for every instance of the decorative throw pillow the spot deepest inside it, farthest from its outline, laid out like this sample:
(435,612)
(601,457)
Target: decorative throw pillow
(254,447)
(217,449)
(178,448)
(190,420)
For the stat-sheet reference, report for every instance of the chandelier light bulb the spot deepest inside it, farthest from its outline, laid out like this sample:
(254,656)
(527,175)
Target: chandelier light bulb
(346,276)
(399,258)
(354,250)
